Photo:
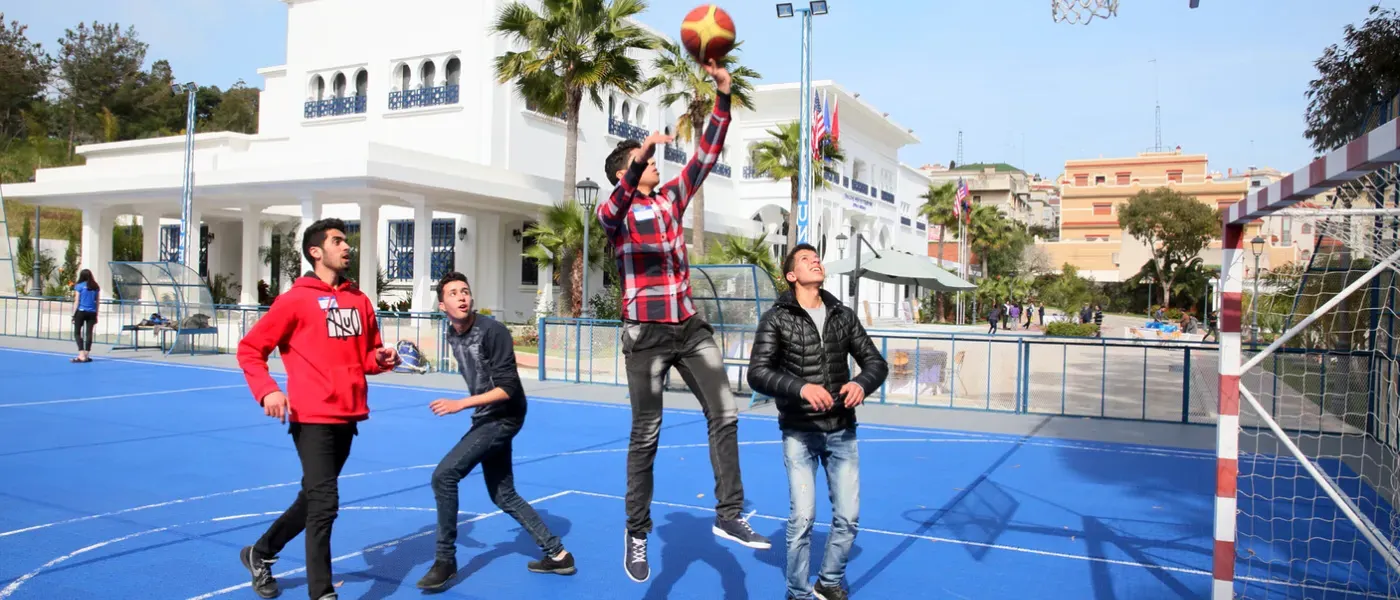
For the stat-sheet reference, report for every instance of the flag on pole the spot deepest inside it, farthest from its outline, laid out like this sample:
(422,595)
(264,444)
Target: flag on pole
(818,124)
(836,121)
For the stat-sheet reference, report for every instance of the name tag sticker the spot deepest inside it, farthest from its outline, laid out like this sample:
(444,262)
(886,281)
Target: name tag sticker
(343,323)
(644,213)
(327,302)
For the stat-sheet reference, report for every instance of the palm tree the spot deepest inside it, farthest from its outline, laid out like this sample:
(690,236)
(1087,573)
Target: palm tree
(572,48)
(735,250)
(778,158)
(938,210)
(683,82)
(558,237)
(987,232)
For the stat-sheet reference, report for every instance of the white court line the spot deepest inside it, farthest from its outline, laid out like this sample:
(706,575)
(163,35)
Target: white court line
(15,585)
(1007,548)
(115,396)
(373,548)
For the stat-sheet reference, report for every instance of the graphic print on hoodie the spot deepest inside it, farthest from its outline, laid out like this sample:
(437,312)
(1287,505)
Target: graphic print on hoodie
(327,337)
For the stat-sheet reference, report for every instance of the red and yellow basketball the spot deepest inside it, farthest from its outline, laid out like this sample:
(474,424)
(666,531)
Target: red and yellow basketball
(707,33)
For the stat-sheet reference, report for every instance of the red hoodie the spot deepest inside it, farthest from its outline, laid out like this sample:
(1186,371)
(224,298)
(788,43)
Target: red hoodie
(327,338)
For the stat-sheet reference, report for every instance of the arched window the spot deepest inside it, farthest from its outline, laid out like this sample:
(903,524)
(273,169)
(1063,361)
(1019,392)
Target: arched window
(316,89)
(427,74)
(405,77)
(626,111)
(454,71)
(612,107)
(338,85)
(641,114)
(362,84)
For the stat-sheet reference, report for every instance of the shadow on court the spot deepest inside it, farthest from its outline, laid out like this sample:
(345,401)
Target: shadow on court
(689,540)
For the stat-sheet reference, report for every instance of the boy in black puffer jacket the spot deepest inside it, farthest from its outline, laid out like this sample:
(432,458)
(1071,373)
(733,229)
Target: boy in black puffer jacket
(800,359)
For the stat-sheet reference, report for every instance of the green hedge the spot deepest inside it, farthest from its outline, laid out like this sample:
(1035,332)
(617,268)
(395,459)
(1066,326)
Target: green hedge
(1061,328)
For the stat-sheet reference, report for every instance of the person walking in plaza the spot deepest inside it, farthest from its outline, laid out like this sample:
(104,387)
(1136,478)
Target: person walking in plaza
(485,355)
(85,314)
(325,331)
(800,357)
(660,327)
(994,318)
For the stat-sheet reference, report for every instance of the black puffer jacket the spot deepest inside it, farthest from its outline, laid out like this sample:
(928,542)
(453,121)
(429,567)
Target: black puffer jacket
(788,354)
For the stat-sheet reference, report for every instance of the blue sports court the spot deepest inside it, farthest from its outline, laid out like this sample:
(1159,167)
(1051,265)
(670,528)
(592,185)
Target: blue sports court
(143,479)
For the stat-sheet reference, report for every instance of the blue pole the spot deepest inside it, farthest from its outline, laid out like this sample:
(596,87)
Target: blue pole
(187,199)
(804,111)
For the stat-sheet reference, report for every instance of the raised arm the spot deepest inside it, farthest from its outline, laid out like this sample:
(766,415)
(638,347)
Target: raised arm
(612,211)
(707,148)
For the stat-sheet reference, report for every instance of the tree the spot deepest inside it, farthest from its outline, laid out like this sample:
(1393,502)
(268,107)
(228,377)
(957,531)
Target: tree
(778,158)
(1068,291)
(1352,78)
(25,68)
(938,210)
(558,237)
(683,82)
(572,48)
(237,110)
(97,67)
(1175,228)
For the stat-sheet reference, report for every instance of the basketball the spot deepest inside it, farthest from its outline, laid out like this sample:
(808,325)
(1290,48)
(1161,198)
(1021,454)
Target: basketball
(707,33)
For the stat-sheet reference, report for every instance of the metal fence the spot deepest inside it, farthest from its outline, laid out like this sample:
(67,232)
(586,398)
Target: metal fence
(1099,377)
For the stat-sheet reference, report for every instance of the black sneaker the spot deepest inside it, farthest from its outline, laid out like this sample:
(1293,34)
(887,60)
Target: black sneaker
(438,576)
(634,558)
(739,531)
(331,596)
(264,585)
(563,566)
(829,593)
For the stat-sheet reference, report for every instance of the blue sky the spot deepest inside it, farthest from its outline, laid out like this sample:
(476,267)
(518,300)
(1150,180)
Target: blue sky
(1232,74)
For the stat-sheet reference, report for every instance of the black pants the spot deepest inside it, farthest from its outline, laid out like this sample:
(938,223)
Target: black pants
(84,319)
(323,450)
(488,444)
(651,350)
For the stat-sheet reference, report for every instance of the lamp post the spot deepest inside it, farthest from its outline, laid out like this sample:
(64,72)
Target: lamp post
(187,195)
(1257,246)
(587,193)
(804,111)
(841,244)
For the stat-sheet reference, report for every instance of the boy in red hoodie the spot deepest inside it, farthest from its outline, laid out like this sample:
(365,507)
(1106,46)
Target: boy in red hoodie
(326,332)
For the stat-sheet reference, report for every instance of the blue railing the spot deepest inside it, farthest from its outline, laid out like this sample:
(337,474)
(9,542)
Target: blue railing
(721,169)
(887,197)
(905,221)
(831,176)
(674,154)
(626,130)
(332,107)
(860,186)
(752,173)
(423,97)
(921,226)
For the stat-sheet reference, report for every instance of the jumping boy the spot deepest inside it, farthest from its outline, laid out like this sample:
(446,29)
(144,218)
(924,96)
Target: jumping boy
(661,329)
(328,337)
(800,358)
(485,355)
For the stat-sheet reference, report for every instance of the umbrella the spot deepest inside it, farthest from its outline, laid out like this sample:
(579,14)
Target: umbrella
(901,268)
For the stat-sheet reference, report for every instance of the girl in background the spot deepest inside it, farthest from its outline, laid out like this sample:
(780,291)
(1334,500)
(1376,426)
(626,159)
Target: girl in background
(86,315)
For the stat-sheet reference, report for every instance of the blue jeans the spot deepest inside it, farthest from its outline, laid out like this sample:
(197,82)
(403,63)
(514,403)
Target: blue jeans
(488,443)
(837,451)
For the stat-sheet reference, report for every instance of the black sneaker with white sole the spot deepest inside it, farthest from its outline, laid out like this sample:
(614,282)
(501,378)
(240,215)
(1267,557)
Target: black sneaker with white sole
(634,558)
(260,567)
(563,566)
(738,530)
(823,592)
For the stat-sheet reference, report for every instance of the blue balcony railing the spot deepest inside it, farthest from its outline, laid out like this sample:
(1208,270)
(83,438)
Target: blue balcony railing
(674,154)
(434,96)
(860,186)
(626,130)
(921,226)
(887,197)
(905,221)
(721,169)
(751,173)
(831,176)
(333,107)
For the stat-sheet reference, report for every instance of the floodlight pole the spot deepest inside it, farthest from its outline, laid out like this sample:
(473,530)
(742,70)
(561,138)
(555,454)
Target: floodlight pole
(805,107)
(38,283)
(187,196)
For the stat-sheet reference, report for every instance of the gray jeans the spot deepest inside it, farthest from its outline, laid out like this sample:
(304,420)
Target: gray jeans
(650,351)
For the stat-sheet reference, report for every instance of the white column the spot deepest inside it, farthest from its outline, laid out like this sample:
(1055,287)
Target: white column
(488,285)
(423,298)
(150,236)
(192,250)
(369,249)
(310,213)
(250,267)
(465,258)
(96,242)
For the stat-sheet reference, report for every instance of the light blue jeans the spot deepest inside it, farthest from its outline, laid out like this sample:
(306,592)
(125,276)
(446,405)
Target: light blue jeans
(837,451)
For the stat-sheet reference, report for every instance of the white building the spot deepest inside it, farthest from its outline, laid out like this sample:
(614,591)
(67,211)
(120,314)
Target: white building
(396,124)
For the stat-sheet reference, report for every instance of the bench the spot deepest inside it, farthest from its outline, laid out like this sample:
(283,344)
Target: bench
(161,331)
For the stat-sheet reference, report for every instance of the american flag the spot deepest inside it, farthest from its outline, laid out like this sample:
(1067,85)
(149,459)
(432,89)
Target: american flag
(961,206)
(818,124)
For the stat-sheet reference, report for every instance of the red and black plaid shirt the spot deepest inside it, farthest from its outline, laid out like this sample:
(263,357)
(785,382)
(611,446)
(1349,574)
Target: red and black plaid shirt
(646,233)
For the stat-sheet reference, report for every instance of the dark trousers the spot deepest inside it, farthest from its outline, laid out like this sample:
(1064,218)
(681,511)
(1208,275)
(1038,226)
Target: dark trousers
(323,450)
(84,319)
(488,443)
(650,351)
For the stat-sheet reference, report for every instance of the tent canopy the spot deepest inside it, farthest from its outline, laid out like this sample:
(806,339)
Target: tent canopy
(900,268)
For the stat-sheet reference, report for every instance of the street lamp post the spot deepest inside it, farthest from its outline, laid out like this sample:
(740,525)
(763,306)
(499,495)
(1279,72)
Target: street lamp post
(587,193)
(804,112)
(841,245)
(1257,246)
(187,195)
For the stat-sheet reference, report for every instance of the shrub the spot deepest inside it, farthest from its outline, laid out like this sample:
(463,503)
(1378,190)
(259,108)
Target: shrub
(1066,329)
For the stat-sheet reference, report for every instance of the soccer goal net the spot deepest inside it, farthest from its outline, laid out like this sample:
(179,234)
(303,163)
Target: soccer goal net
(1318,395)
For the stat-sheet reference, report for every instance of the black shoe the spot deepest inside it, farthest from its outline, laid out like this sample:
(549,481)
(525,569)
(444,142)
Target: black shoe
(634,558)
(738,530)
(438,576)
(564,566)
(829,593)
(264,585)
(331,596)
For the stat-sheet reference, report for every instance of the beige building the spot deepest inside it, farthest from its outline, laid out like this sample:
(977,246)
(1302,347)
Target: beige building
(1094,190)
(999,184)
